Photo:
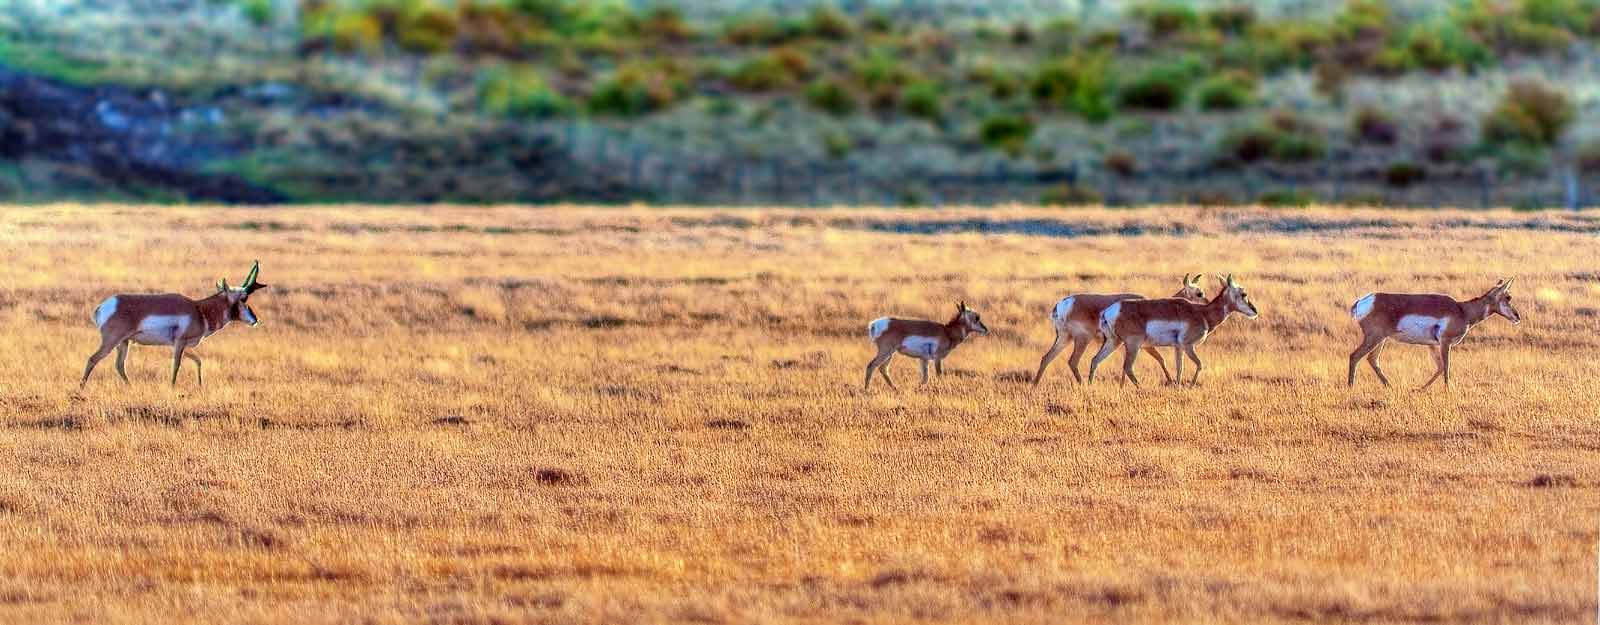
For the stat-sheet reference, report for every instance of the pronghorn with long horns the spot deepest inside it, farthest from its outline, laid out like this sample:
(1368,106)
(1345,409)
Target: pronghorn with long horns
(169,319)
(1077,318)
(921,339)
(1439,321)
(1181,324)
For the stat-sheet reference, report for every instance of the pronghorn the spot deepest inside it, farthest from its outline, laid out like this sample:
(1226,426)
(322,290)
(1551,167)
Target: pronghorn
(1077,317)
(1436,320)
(169,319)
(920,339)
(1175,322)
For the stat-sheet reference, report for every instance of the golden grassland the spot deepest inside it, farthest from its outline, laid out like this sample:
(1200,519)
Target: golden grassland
(570,415)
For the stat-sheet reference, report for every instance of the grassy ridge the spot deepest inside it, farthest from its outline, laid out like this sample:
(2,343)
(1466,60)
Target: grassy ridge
(1388,95)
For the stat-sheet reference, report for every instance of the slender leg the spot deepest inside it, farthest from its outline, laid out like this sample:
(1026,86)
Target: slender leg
(872,365)
(1154,353)
(883,371)
(199,377)
(1444,359)
(1438,362)
(1177,356)
(1368,343)
(924,371)
(122,356)
(1055,348)
(1372,359)
(1131,349)
(1197,366)
(1109,344)
(938,367)
(106,345)
(1078,345)
(177,361)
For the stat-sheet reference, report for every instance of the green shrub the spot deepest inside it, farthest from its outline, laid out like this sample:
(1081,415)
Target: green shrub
(1165,19)
(1232,19)
(761,29)
(1575,16)
(1121,163)
(762,73)
(634,91)
(829,24)
(831,97)
(259,12)
(1080,84)
(1375,126)
(838,144)
(1403,174)
(1070,195)
(520,92)
(1285,198)
(666,23)
(1530,113)
(880,70)
(1006,132)
(356,32)
(1226,92)
(1160,87)
(1285,138)
(923,99)
(1440,44)
(427,29)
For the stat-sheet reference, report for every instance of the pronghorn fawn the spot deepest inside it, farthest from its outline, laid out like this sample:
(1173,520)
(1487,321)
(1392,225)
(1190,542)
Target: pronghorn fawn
(1077,318)
(1181,324)
(1438,321)
(920,339)
(169,319)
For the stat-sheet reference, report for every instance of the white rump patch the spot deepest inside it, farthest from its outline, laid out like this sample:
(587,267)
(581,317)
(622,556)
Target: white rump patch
(1062,309)
(1108,317)
(1363,306)
(924,347)
(103,312)
(877,327)
(161,329)
(1421,329)
(1165,332)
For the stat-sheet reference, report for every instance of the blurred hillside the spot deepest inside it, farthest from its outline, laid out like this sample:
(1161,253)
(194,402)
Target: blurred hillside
(1469,102)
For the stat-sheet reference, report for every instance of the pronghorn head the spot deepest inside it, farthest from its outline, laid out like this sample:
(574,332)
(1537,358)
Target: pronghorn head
(1235,298)
(239,298)
(969,318)
(1499,299)
(1191,290)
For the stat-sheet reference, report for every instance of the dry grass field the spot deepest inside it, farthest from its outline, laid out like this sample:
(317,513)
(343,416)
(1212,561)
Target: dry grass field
(503,415)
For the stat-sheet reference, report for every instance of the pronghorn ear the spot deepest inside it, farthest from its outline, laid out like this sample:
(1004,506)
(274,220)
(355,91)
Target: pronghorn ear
(1186,281)
(1505,286)
(1221,281)
(222,285)
(1230,280)
(961,306)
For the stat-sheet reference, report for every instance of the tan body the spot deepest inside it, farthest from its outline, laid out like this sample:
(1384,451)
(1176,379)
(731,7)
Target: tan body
(167,319)
(1076,318)
(1180,324)
(927,341)
(1438,321)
